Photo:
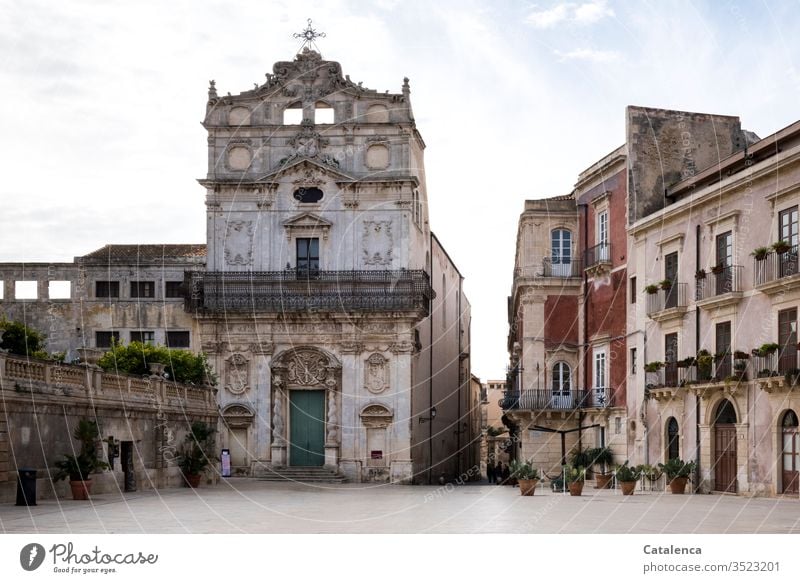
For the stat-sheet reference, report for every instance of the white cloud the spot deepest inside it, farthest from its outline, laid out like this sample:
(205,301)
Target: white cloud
(584,14)
(593,55)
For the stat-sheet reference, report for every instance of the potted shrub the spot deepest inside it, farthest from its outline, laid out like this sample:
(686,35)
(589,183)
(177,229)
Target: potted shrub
(526,475)
(704,363)
(574,477)
(665,284)
(740,355)
(79,468)
(781,247)
(580,458)
(651,289)
(717,269)
(654,366)
(603,457)
(197,453)
(700,274)
(678,473)
(760,253)
(627,478)
(768,348)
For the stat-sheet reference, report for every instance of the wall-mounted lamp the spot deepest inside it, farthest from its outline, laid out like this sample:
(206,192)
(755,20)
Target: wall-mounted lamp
(431,418)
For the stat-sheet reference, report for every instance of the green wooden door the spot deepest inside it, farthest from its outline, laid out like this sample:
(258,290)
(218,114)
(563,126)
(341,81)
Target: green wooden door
(307,428)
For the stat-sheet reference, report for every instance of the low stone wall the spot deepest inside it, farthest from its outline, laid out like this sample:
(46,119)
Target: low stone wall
(43,401)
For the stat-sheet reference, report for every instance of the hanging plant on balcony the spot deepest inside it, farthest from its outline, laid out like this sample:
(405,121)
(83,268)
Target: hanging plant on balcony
(653,366)
(760,253)
(768,348)
(700,274)
(666,284)
(740,355)
(651,289)
(704,362)
(717,269)
(721,356)
(781,247)
(687,362)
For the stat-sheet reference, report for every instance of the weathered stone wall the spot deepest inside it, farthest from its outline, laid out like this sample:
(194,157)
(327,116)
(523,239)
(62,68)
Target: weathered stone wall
(666,146)
(44,401)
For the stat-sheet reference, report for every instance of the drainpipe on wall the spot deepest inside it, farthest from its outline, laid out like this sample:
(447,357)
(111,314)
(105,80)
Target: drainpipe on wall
(586,375)
(697,349)
(430,369)
(458,362)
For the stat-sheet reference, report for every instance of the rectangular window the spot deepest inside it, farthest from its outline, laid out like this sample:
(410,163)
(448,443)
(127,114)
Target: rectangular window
(105,339)
(633,290)
(671,359)
(787,338)
(671,274)
(722,358)
(172,289)
(602,228)
(59,290)
(143,336)
(307,256)
(725,249)
(106,289)
(787,226)
(633,361)
(600,369)
(178,339)
(26,290)
(143,289)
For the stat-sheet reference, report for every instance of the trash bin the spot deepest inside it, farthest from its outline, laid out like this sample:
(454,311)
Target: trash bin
(26,487)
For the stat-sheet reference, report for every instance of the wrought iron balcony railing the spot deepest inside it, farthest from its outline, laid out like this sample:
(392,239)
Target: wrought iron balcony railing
(664,299)
(295,290)
(562,268)
(779,362)
(776,266)
(541,400)
(728,280)
(596,255)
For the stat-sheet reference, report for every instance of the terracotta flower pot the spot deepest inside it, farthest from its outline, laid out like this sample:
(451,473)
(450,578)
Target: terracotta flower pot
(80,489)
(627,488)
(678,485)
(575,488)
(602,481)
(193,480)
(527,487)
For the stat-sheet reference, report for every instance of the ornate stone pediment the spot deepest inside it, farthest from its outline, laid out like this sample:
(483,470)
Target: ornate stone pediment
(303,167)
(237,373)
(306,224)
(376,416)
(304,367)
(376,373)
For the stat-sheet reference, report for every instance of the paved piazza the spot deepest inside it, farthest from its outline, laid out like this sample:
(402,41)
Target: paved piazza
(252,506)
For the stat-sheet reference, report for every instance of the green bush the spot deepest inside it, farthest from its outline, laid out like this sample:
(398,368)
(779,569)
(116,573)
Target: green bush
(198,449)
(81,466)
(135,358)
(19,339)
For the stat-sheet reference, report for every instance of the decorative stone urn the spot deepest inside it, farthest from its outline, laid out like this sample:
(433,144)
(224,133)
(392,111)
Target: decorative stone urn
(156,368)
(90,356)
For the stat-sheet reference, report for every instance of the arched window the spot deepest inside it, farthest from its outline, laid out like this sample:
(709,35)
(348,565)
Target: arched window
(293,114)
(726,414)
(673,445)
(789,419)
(561,252)
(561,379)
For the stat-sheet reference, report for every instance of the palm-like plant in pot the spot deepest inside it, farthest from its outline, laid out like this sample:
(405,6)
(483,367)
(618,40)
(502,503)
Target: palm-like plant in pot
(79,467)
(197,453)
(602,457)
(526,475)
(574,478)
(627,477)
(678,473)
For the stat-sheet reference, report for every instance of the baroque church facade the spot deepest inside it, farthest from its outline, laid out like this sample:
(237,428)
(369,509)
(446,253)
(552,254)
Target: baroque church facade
(334,318)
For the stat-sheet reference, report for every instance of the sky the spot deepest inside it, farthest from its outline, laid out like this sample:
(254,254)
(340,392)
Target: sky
(101,138)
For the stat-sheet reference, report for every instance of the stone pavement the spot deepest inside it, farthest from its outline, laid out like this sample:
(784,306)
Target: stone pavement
(250,506)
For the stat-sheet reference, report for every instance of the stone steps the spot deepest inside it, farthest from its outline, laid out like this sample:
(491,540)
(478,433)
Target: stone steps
(312,474)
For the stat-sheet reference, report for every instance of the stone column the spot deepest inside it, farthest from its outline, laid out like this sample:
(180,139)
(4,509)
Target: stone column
(3,444)
(349,406)
(400,470)
(332,426)
(262,398)
(742,457)
(706,474)
(278,443)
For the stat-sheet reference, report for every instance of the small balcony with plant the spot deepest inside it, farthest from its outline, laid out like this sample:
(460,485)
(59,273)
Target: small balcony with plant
(666,300)
(776,267)
(665,379)
(719,287)
(776,368)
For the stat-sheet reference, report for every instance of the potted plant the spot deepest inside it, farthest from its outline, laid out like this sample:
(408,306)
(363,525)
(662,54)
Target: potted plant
(651,289)
(760,253)
(686,362)
(740,355)
(678,473)
(704,363)
(666,284)
(574,477)
(627,478)
(717,269)
(527,476)
(603,457)
(197,453)
(580,458)
(654,366)
(781,247)
(791,376)
(768,348)
(700,274)
(79,468)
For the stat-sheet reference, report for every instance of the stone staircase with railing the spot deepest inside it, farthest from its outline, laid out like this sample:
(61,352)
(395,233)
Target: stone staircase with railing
(300,474)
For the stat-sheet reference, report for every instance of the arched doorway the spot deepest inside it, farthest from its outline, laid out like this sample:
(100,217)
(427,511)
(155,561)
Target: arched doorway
(725,465)
(673,443)
(790,455)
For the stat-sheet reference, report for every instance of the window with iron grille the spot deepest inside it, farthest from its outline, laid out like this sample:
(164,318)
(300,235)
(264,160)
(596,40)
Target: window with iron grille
(143,289)
(106,289)
(105,339)
(178,339)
